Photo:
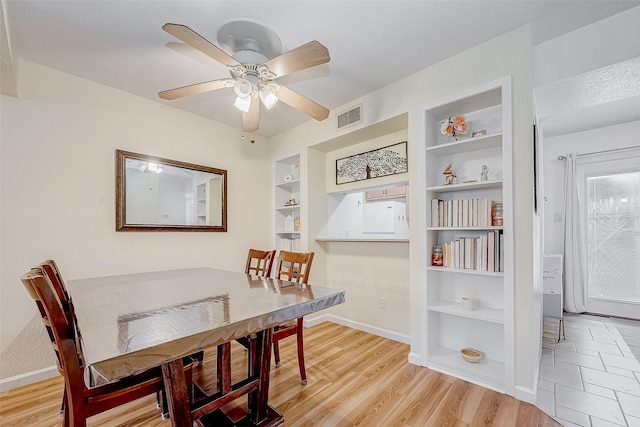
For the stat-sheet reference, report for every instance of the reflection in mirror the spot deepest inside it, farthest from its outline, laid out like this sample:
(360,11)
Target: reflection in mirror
(154,194)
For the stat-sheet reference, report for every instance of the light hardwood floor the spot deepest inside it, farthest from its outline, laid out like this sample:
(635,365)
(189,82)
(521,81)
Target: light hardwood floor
(355,379)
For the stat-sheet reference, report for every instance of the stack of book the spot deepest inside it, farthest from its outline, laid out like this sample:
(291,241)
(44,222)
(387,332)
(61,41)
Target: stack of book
(461,213)
(483,253)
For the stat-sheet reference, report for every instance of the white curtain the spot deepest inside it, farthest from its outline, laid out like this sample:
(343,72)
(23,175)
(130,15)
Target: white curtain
(575,298)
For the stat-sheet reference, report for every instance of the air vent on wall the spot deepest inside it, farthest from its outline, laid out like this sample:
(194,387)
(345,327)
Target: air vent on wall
(350,117)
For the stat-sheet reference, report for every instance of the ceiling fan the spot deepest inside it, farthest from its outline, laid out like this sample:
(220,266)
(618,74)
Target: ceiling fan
(252,72)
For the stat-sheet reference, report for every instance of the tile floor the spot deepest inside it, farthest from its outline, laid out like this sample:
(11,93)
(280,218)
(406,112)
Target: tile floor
(590,379)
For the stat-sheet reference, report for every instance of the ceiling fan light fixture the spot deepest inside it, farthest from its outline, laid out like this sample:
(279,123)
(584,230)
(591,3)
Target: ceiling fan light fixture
(268,97)
(243,104)
(243,88)
(150,167)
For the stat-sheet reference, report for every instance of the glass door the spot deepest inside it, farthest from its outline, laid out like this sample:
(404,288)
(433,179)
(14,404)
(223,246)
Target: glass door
(611,209)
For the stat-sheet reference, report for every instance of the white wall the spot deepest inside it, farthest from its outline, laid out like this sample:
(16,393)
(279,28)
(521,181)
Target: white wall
(345,215)
(586,79)
(58,145)
(607,138)
(602,43)
(509,54)
(589,78)
(366,272)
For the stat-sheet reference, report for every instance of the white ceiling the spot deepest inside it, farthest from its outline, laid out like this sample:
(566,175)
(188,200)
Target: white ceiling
(371,43)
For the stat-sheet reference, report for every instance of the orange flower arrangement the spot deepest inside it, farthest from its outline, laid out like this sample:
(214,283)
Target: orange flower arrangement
(454,126)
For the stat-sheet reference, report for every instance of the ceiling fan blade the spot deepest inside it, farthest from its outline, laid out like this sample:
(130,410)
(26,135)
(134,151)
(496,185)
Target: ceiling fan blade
(195,89)
(251,120)
(299,102)
(196,41)
(303,57)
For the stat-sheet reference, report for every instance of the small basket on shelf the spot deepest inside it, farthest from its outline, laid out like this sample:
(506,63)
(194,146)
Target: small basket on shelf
(471,355)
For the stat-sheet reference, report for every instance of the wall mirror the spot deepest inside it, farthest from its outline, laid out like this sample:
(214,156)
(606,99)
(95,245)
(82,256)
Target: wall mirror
(155,194)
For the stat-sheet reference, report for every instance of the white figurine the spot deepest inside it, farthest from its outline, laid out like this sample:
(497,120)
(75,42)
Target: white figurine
(484,172)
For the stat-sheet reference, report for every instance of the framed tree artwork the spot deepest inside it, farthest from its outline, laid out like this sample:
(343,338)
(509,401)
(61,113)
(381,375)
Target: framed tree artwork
(383,161)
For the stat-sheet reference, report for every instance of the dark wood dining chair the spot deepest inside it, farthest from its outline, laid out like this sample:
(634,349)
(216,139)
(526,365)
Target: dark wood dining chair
(259,262)
(79,401)
(51,270)
(294,267)
(47,325)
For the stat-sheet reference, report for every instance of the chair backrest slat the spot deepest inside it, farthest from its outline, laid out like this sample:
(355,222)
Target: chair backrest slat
(294,266)
(60,328)
(50,269)
(259,262)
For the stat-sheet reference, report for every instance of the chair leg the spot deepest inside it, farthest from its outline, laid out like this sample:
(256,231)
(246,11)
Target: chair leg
(190,384)
(63,404)
(64,413)
(276,353)
(66,421)
(251,356)
(164,404)
(300,339)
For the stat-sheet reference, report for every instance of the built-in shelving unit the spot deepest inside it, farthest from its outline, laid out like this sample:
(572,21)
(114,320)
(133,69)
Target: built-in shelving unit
(208,212)
(489,327)
(201,204)
(287,204)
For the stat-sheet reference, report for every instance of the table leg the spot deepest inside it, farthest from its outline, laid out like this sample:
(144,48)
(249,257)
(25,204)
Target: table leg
(177,397)
(259,413)
(224,367)
(259,409)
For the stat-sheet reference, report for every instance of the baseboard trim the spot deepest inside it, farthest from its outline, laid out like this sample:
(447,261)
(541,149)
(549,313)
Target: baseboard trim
(526,394)
(10,383)
(384,333)
(415,359)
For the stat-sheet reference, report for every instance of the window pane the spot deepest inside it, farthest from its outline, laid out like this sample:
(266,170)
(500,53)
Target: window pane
(613,222)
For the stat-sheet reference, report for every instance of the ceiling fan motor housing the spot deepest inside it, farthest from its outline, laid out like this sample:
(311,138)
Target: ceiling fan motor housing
(249,57)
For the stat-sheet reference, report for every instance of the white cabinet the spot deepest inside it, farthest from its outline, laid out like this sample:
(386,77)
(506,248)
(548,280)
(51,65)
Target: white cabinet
(552,286)
(489,327)
(287,204)
(359,217)
(385,217)
(386,193)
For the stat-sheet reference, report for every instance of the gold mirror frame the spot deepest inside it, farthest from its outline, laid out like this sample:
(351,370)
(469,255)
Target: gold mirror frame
(121,195)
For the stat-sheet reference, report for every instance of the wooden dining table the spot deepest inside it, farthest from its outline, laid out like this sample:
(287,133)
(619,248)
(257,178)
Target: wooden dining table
(134,322)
